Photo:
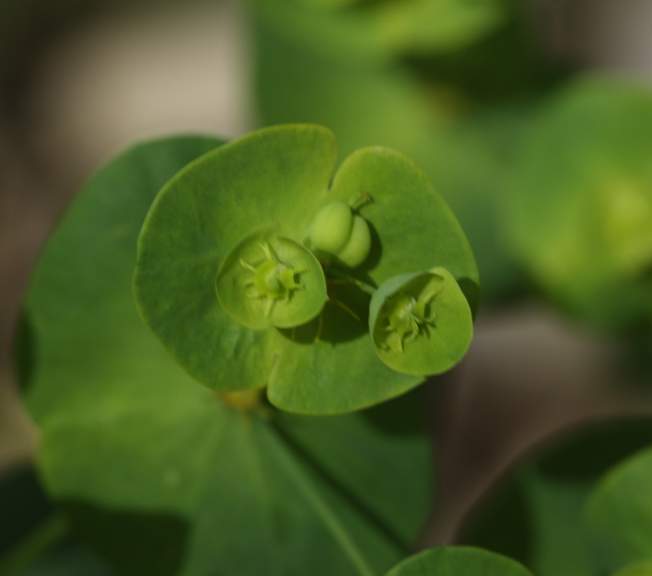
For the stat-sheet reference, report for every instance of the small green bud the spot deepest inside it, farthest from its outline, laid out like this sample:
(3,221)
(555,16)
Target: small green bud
(357,248)
(331,228)
(338,232)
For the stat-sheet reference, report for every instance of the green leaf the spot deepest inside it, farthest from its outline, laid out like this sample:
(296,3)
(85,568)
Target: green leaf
(644,569)
(453,561)
(162,475)
(537,513)
(583,228)
(268,281)
(421,323)
(620,512)
(431,26)
(377,30)
(278,180)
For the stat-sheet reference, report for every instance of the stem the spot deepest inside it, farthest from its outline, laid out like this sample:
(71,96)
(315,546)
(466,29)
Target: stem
(340,277)
(361,201)
(45,536)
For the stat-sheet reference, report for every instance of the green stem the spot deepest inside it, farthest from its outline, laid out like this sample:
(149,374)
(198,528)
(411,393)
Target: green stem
(336,275)
(361,201)
(46,535)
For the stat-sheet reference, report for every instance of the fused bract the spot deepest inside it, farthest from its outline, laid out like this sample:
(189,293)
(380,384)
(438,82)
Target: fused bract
(256,263)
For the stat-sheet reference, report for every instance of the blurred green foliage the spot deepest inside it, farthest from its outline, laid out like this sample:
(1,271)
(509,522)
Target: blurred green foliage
(545,513)
(549,173)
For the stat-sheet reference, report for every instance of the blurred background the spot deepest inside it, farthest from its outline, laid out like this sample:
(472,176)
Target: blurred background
(459,86)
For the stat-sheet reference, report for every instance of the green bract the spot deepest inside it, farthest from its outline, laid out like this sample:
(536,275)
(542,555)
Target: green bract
(226,279)
(163,476)
(271,281)
(421,323)
(458,561)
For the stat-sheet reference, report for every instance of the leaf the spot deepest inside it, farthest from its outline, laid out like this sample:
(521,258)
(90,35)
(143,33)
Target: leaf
(582,227)
(644,569)
(376,30)
(164,476)
(278,180)
(536,514)
(620,512)
(431,26)
(420,323)
(453,561)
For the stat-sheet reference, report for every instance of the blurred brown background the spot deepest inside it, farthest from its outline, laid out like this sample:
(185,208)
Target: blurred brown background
(72,96)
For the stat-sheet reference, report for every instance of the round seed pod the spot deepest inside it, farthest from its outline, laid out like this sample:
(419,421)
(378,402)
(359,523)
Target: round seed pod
(420,323)
(331,228)
(268,280)
(358,246)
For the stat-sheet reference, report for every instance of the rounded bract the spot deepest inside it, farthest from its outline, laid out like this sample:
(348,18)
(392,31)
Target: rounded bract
(420,323)
(268,280)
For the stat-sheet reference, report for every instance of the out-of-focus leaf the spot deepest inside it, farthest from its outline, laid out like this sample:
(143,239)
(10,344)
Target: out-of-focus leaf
(35,537)
(452,561)
(620,512)
(536,514)
(580,206)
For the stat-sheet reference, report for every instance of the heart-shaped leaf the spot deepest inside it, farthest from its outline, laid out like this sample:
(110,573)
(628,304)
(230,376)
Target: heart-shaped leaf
(203,226)
(164,476)
(453,561)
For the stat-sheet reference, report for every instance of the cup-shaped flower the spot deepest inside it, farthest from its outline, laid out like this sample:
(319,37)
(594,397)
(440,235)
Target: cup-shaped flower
(268,280)
(420,323)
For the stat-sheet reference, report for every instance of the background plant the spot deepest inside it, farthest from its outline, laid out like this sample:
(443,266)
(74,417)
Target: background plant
(547,172)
